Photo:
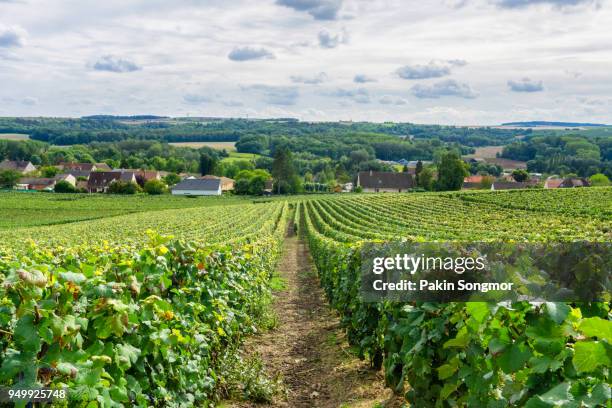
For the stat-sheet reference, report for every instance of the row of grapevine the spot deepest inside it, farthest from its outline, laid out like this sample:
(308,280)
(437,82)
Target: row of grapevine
(467,354)
(140,322)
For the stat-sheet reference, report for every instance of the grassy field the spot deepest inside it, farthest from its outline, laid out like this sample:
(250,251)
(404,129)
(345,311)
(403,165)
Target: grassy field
(33,209)
(235,156)
(485,152)
(228,146)
(13,136)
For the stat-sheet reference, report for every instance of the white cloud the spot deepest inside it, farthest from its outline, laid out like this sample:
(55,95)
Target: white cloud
(362,79)
(327,40)
(310,80)
(448,87)
(112,63)
(249,53)
(180,52)
(276,95)
(434,69)
(319,9)
(12,36)
(359,95)
(525,85)
(391,100)
(195,99)
(29,101)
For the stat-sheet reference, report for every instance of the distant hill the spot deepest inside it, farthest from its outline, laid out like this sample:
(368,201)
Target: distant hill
(536,123)
(134,117)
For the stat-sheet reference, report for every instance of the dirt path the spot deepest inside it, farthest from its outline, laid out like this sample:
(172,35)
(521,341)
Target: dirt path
(308,348)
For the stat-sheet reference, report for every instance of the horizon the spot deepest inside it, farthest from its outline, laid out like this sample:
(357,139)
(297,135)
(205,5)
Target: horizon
(537,123)
(447,62)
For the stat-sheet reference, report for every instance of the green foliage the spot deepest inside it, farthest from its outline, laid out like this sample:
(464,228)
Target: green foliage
(172,179)
(123,187)
(155,187)
(599,180)
(48,171)
(8,178)
(426,178)
(63,186)
(252,182)
(520,175)
(142,322)
(208,164)
(451,171)
(468,354)
(286,179)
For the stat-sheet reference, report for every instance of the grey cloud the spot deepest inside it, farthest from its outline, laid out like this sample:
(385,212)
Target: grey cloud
(448,87)
(310,80)
(111,63)
(319,9)
(525,85)
(390,100)
(277,95)
(29,101)
(555,3)
(249,53)
(327,40)
(195,99)
(434,69)
(11,37)
(362,79)
(233,104)
(360,95)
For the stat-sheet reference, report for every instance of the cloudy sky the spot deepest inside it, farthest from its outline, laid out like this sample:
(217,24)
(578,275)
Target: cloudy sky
(437,61)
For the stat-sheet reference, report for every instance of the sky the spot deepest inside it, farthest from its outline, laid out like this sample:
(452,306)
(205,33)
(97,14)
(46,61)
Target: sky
(459,62)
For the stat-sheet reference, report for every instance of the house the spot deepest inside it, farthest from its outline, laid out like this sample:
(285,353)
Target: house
(35,183)
(84,167)
(17,165)
(69,178)
(568,182)
(473,179)
(99,181)
(553,182)
(572,182)
(268,187)
(347,187)
(471,186)
(384,182)
(227,184)
(198,187)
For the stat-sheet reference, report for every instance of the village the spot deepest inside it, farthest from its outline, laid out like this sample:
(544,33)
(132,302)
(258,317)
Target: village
(101,178)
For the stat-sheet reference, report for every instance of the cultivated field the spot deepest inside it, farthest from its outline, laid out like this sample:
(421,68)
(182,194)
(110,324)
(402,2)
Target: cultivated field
(13,136)
(142,308)
(485,152)
(228,146)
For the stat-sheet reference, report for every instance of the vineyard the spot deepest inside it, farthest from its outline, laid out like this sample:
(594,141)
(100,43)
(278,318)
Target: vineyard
(470,354)
(124,316)
(137,306)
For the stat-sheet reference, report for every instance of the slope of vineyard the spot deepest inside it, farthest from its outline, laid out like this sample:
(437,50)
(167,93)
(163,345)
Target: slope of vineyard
(123,316)
(469,354)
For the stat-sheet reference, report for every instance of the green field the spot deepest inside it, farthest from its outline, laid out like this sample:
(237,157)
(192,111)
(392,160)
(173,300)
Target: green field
(116,312)
(31,209)
(235,156)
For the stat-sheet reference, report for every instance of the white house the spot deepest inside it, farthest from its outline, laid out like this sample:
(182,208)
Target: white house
(198,187)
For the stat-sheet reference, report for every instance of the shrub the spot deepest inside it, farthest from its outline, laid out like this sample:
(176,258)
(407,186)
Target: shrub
(123,187)
(155,187)
(64,187)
